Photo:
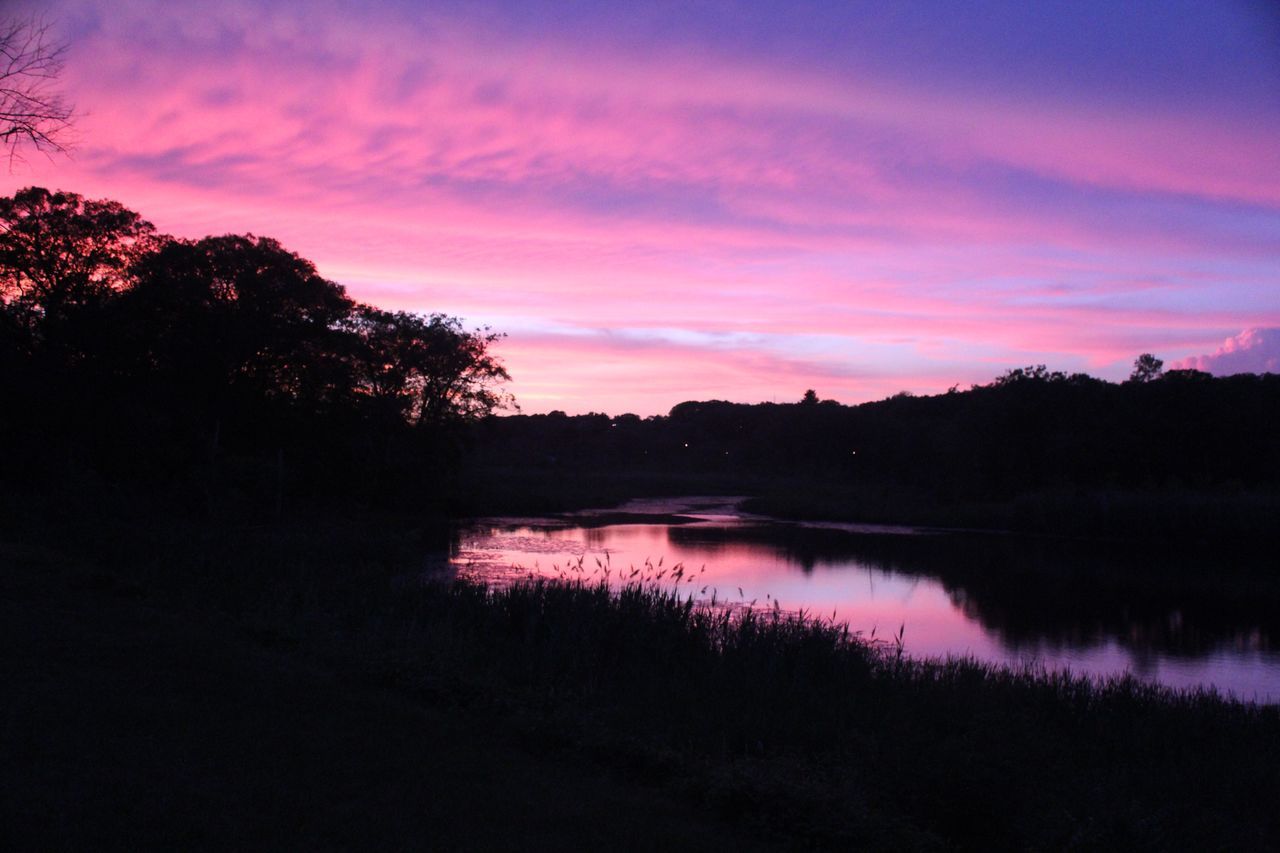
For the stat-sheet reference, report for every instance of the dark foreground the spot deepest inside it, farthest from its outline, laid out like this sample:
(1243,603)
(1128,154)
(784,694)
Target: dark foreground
(288,685)
(129,727)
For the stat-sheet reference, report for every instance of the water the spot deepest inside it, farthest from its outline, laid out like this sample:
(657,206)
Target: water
(1181,618)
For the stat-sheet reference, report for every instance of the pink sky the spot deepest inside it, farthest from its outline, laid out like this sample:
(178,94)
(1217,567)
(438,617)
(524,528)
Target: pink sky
(688,202)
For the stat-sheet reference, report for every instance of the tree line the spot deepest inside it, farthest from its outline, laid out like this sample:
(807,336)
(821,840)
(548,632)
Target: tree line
(1029,430)
(229,369)
(224,364)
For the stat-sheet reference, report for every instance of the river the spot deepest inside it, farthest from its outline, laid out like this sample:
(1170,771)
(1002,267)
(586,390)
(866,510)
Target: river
(1180,617)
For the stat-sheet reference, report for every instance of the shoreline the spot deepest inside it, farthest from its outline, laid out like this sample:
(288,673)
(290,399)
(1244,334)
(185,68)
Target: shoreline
(781,728)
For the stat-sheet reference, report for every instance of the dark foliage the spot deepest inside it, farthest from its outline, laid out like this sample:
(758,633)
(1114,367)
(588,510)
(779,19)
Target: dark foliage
(800,726)
(796,730)
(1049,450)
(228,374)
(224,368)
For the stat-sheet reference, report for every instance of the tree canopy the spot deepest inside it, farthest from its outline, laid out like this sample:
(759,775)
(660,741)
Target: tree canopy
(229,341)
(62,255)
(1030,431)
(1146,368)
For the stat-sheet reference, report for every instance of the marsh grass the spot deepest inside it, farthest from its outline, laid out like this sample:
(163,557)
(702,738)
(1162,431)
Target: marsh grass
(823,734)
(800,727)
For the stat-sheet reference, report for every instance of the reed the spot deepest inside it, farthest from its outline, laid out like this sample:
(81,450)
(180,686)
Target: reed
(737,704)
(799,726)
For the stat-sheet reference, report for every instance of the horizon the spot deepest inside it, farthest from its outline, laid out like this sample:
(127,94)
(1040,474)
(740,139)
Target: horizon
(732,202)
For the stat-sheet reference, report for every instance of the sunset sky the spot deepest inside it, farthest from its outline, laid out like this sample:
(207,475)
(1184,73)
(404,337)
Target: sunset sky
(661,202)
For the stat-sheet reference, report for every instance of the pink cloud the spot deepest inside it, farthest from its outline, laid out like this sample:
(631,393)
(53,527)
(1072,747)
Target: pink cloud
(627,374)
(1252,351)
(885,234)
(336,124)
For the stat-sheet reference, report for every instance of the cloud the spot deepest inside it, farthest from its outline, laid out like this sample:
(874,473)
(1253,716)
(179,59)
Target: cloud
(1251,351)
(648,373)
(860,219)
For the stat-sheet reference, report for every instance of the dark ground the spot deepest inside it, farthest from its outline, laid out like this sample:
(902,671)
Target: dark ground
(127,726)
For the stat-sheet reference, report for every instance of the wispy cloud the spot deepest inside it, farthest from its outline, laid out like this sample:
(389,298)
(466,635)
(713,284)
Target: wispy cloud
(767,175)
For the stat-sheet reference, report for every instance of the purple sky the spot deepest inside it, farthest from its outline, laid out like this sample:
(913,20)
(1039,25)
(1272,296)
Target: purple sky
(661,202)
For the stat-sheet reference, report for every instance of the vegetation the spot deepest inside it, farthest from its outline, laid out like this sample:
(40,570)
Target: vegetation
(229,373)
(812,732)
(791,729)
(133,722)
(219,432)
(32,112)
(1175,453)
(224,370)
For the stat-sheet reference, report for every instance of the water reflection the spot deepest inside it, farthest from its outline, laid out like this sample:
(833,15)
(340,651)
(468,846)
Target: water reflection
(1178,617)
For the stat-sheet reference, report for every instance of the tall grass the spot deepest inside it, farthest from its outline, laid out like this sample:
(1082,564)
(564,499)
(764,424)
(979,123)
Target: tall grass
(803,727)
(817,731)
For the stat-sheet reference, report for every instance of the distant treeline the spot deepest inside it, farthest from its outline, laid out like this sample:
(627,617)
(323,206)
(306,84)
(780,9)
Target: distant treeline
(229,373)
(225,370)
(1029,432)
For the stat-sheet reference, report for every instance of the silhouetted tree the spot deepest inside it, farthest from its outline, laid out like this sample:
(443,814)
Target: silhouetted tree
(1041,433)
(185,352)
(429,368)
(810,398)
(58,248)
(1146,368)
(1032,373)
(61,254)
(242,313)
(32,112)
(1187,374)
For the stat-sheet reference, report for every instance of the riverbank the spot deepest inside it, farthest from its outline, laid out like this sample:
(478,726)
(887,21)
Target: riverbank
(1163,515)
(1179,615)
(838,742)
(790,732)
(1234,517)
(135,724)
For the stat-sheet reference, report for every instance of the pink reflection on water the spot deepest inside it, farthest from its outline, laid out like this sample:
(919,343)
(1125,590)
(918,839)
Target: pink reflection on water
(868,598)
(874,602)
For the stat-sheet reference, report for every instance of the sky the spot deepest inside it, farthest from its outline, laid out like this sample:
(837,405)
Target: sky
(659,202)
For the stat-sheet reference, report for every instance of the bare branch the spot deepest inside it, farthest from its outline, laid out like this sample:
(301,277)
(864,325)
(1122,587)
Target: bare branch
(32,112)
